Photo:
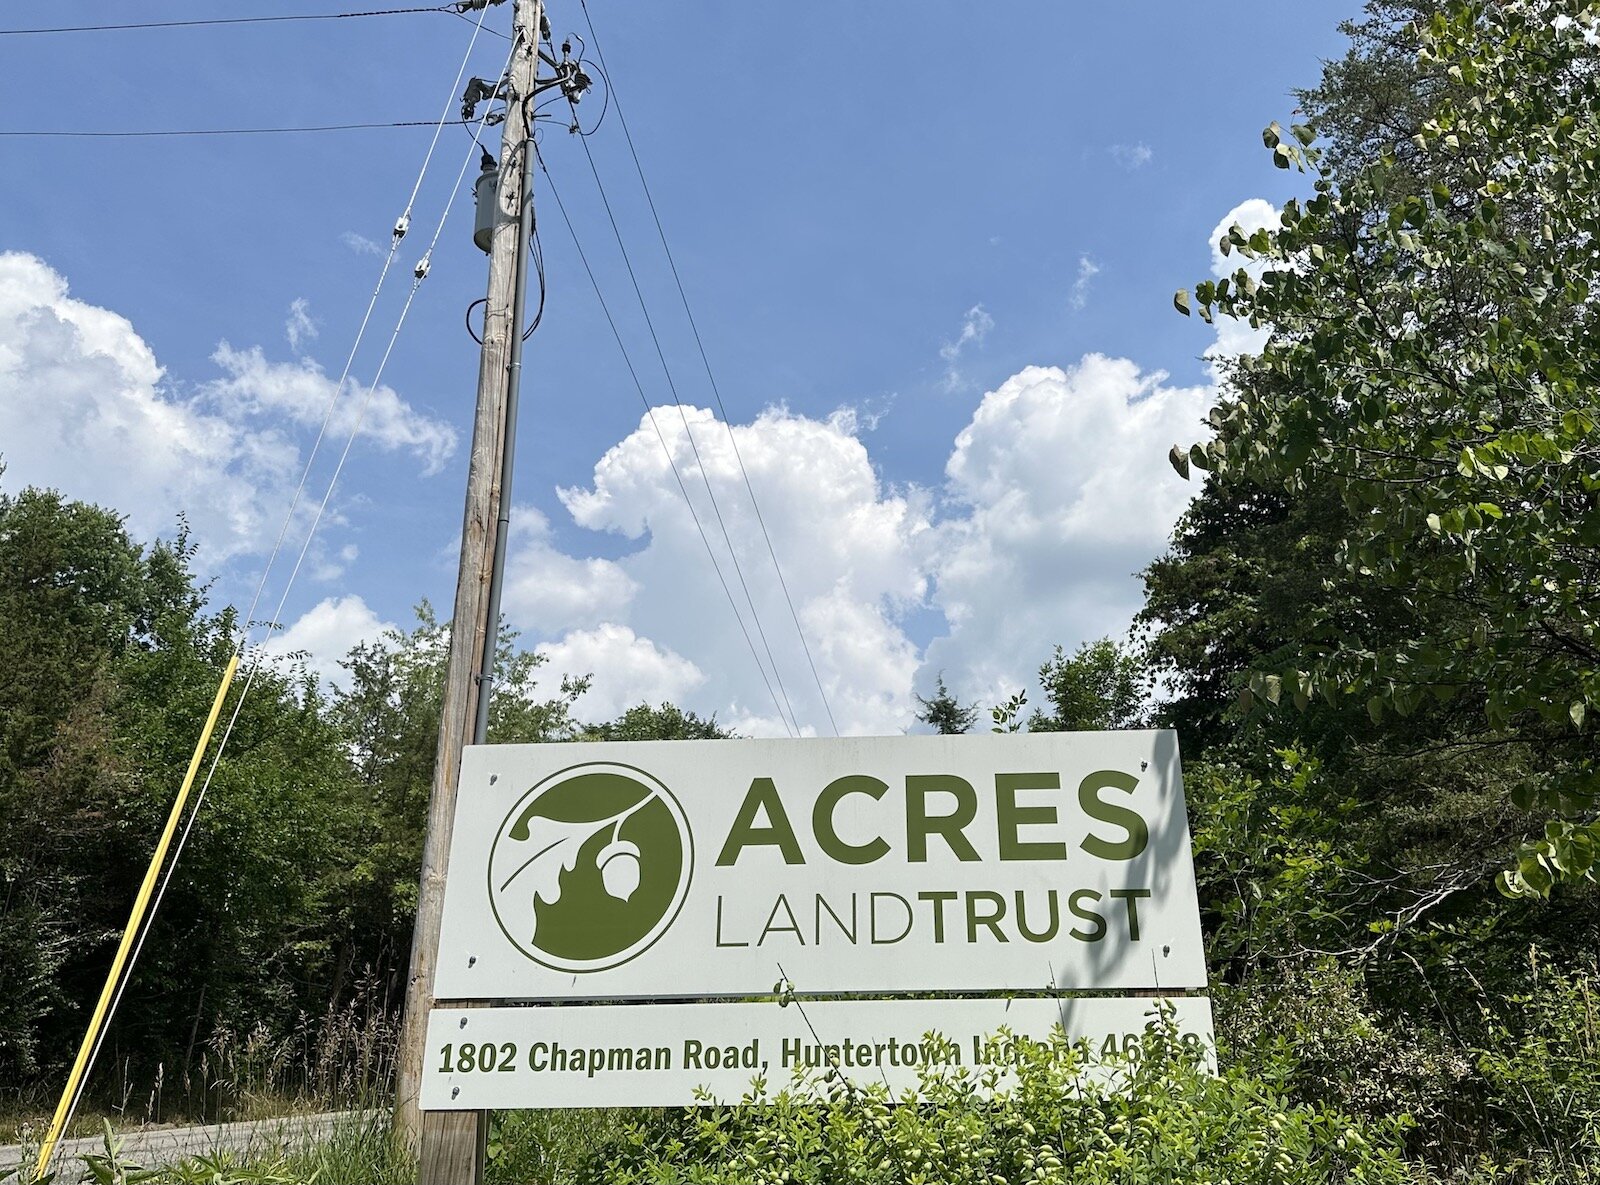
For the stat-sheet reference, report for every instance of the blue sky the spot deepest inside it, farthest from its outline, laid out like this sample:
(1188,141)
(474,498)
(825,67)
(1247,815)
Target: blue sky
(930,248)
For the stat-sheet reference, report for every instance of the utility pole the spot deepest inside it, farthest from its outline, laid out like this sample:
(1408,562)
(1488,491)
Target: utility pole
(449,1144)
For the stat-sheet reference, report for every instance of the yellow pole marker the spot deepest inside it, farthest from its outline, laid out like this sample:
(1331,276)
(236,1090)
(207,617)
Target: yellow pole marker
(135,920)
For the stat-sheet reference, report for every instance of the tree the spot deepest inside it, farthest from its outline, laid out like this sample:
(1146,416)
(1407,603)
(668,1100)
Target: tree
(665,723)
(1430,361)
(1097,688)
(390,712)
(944,713)
(109,665)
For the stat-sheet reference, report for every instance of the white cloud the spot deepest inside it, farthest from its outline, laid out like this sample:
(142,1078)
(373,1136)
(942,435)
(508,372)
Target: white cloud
(360,244)
(544,586)
(1236,337)
(323,635)
(851,563)
(1131,156)
(1063,493)
(1058,493)
(299,327)
(302,392)
(88,410)
(975,327)
(635,670)
(1088,269)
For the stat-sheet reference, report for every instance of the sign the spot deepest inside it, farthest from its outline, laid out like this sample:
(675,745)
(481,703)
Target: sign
(884,864)
(656,1056)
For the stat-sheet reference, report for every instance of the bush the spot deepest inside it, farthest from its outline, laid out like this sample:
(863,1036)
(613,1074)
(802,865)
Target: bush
(1063,1116)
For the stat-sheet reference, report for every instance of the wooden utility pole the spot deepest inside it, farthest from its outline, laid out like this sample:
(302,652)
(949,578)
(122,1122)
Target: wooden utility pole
(449,1144)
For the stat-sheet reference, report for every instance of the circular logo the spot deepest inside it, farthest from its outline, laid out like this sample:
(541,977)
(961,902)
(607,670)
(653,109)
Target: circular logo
(590,867)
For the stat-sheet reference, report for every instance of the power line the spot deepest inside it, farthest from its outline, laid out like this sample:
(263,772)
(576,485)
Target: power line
(326,127)
(705,476)
(650,412)
(232,20)
(612,97)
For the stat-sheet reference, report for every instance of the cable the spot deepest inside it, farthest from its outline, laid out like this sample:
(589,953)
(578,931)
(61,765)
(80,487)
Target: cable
(234,20)
(536,252)
(705,476)
(401,226)
(605,104)
(491,32)
(706,360)
(650,412)
(420,274)
(327,127)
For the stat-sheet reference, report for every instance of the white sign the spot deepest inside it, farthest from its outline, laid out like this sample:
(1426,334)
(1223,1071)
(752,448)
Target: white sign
(884,864)
(656,1056)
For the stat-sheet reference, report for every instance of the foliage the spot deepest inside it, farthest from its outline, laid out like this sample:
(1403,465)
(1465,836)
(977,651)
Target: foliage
(944,713)
(1429,359)
(667,722)
(390,710)
(109,663)
(1161,1116)
(551,1146)
(1541,1059)
(1376,98)
(1097,688)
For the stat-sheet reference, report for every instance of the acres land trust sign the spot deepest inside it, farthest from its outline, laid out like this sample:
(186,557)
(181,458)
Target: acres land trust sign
(903,864)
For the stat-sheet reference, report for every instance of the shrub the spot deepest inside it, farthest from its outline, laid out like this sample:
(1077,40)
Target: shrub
(1062,1115)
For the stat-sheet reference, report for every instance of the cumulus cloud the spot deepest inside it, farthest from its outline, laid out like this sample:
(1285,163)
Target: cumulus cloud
(1061,493)
(87,409)
(1087,271)
(324,634)
(1131,156)
(301,392)
(1236,337)
(851,566)
(544,585)
(636,670)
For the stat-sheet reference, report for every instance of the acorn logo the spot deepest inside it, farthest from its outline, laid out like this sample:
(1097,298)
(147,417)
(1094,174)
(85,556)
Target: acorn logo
(591,867)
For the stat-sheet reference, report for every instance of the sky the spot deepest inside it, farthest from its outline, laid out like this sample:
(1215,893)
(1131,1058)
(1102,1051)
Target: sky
(929,250)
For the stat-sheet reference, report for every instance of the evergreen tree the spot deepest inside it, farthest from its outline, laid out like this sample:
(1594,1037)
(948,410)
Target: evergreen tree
(944,713)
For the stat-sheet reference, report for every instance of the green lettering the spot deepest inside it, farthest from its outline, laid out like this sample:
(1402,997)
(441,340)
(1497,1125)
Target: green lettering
(1013,817)
(1138,837)
(937,899)
(991,918)
(822,820)
(778,833)
(1087,915)
(1132,897)
(920,825)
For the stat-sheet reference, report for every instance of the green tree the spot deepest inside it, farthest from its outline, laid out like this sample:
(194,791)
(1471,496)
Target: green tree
(1429,359)
(1098,687)
(109,666)
(944,713)
(668,722)
(390,712)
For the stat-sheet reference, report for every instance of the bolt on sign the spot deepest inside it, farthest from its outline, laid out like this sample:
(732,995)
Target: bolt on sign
(719,869)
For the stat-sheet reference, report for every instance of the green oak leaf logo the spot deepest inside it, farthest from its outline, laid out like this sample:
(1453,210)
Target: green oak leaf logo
(590,867)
